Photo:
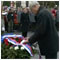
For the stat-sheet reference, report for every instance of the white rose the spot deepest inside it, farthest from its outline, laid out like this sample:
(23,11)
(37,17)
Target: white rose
(16,48)
(22,48)
(11,47)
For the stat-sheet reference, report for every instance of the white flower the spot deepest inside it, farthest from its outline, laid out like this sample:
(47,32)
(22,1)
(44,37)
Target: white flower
(22,48)
(11,47)
(16,48)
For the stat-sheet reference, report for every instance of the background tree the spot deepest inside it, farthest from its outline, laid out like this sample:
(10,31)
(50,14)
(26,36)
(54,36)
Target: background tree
(6,3)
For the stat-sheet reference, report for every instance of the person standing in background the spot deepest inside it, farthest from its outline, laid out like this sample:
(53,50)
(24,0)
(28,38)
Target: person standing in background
(10,18)
(24,21)
(53,11)
(6,21)
(15,21)
(57,20)
(19,17)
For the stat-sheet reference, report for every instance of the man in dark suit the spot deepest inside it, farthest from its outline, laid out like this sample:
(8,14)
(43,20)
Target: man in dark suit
(46,33)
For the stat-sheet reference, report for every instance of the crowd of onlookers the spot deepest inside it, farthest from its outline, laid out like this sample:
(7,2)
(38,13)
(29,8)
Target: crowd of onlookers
(14,18)
(55,13)
(20,19)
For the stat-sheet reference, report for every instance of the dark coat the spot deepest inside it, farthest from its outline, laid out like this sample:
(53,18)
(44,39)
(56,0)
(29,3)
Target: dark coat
(46,33)
(10,16)
(57,17)
(24,21)
(19,16)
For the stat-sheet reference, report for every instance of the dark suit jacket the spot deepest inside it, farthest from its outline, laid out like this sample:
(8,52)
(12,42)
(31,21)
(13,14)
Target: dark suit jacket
(10,16)
(46,33)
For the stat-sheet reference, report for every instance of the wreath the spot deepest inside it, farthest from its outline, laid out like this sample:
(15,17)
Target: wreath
(12,47)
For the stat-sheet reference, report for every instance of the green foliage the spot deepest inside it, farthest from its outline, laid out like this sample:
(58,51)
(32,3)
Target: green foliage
(51,4)
(6,3)
(7,53)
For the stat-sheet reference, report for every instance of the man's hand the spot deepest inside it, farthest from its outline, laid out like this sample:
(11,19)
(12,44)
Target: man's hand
(26,40)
